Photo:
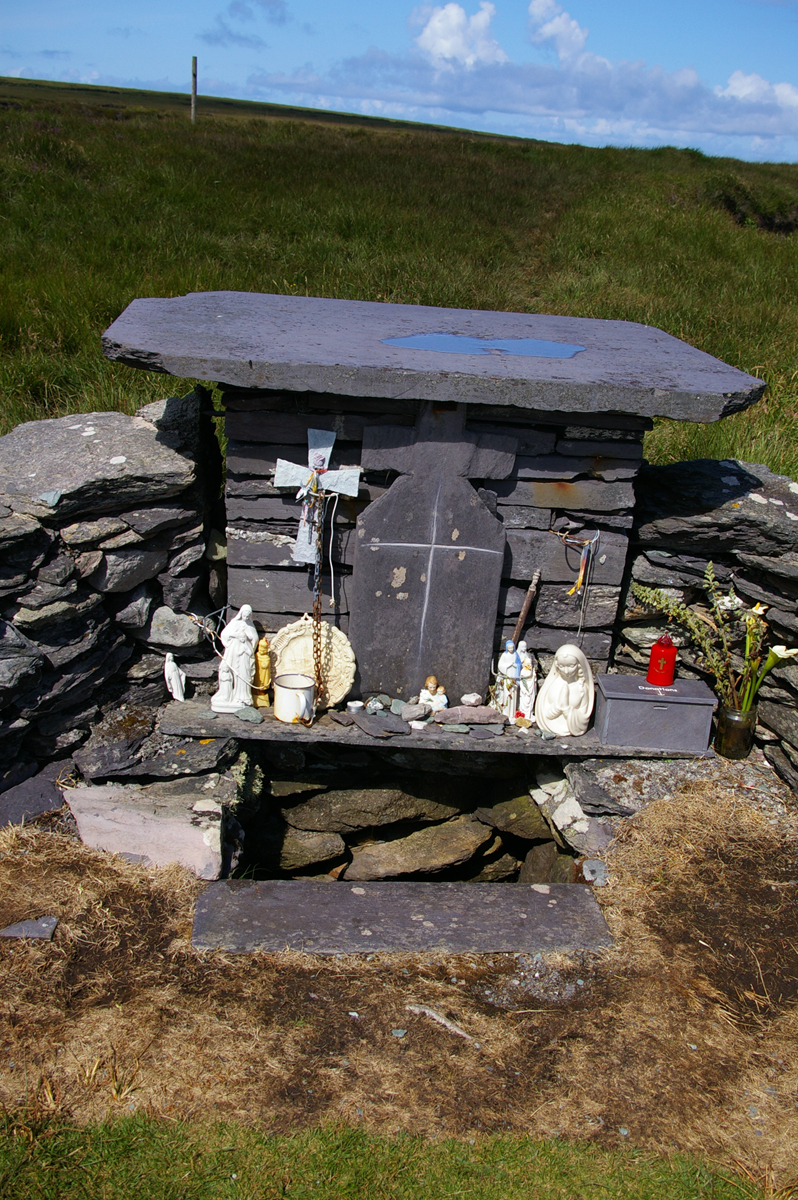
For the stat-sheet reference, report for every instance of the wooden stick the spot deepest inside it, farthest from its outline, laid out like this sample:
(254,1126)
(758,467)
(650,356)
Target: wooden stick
(194,90)
(531,592)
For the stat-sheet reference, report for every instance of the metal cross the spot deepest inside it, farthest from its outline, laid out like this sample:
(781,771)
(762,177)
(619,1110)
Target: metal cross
(315,478)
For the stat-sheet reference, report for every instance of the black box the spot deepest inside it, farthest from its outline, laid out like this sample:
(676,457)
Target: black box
(631,712)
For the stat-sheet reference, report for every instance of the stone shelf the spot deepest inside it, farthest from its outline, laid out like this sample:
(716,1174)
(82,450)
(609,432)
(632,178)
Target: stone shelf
(191,719)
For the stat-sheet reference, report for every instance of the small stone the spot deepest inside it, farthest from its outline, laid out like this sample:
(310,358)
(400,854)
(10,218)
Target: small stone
(594,871)
(301,848)
(123,570)
(91,533)
(456,728)
(342,718)
(173,631)
(483,715)
(418,726)
(399,1033)
(58,570)
(88,562)
(249,714)
(518,816)
(471,700)
(43,927)
(426,851)
(414,712)
(136,612)
(397,706)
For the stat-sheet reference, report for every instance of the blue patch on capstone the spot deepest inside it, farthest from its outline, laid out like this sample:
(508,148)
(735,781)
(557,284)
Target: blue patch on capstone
(461,343)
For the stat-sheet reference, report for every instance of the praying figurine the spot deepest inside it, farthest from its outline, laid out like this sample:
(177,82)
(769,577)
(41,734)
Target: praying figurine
(565,701)
(237,668)
(508,674)
(175,678)
(527,683)
(433,694)
(263,675)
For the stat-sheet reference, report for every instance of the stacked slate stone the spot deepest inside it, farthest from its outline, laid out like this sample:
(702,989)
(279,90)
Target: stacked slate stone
(744,519)
(400,824)
(572,474)
(103,530)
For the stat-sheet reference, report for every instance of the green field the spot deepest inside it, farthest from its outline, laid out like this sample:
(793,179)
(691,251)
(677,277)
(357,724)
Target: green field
(106,195)
(170,1160)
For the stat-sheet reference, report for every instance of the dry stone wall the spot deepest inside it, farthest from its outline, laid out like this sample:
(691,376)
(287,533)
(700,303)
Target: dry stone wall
(103,534)
(743,519)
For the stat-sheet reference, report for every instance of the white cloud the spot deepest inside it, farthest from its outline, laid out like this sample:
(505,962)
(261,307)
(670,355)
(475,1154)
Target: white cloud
(548,22)
(754,89)
(450,37)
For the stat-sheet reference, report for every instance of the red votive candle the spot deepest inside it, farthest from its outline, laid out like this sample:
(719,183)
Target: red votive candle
(662,663)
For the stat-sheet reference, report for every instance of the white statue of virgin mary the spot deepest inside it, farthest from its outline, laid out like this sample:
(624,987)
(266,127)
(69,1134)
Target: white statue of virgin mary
(565,701)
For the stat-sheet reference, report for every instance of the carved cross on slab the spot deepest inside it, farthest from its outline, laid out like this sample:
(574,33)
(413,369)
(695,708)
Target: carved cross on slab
(428,558)
(288,474)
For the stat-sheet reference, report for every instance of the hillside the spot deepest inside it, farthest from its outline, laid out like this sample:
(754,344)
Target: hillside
(109,195)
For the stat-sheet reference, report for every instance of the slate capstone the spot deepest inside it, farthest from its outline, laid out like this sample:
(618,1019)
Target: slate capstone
(301,343)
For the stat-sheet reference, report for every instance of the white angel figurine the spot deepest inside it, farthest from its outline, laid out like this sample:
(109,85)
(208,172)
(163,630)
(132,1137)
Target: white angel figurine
(565,701)
(174,677)
(527,683)
(240,640)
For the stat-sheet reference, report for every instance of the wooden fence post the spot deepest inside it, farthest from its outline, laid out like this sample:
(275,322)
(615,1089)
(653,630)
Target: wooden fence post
(194,90)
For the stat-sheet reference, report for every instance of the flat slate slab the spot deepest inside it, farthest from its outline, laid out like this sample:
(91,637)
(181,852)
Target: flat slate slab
(42,928)
(241,916)
(193,719)
(350,348)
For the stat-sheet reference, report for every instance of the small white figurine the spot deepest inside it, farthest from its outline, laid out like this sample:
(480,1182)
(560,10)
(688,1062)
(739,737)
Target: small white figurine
(237,668)
(433,694)
(565,701)
(175,678)
(527,683)
(508,673)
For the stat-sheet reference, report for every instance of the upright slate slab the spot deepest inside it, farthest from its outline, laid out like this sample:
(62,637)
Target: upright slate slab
(358,348)
(242,916)
(428,561)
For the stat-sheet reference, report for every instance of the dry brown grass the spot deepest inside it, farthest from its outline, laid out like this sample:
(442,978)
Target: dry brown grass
(674,1037)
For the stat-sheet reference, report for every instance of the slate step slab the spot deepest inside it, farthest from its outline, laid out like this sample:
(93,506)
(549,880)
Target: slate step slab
(241,916)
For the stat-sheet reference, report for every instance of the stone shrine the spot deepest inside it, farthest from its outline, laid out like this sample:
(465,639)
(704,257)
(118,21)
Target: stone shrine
(490,445)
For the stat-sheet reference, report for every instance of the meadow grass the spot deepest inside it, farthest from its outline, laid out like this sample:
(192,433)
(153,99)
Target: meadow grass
(168,1160)
(100,204)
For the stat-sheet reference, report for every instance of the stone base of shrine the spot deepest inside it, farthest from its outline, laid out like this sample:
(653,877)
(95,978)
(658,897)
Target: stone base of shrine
(242,916)
(430,748)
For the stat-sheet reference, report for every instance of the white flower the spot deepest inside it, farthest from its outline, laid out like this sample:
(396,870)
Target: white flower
(759,610)
(730,603)
(780,652)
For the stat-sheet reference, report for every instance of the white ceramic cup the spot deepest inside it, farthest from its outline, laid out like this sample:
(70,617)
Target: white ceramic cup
(293,698)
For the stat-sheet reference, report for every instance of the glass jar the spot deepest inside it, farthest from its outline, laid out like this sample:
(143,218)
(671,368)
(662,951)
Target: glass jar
(734,735)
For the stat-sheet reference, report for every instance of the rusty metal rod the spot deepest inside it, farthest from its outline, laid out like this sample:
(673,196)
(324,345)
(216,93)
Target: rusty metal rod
(531,592)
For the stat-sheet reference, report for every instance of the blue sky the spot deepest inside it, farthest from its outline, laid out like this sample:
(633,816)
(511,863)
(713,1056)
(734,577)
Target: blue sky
(719,75)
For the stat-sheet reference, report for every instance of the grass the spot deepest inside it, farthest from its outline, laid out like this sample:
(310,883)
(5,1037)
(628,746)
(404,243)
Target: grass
(109,195)
(41,1159)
